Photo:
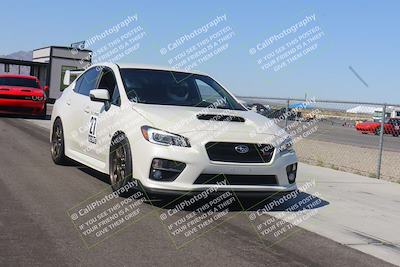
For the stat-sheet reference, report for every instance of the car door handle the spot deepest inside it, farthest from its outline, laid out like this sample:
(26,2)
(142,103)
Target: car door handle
(87,110)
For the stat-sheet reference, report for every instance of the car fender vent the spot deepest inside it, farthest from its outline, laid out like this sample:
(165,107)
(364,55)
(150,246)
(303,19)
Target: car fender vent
(218,117)
(26,90)
(4,89)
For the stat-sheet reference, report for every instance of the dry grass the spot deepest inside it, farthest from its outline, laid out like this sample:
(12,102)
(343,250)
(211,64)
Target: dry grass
(348,158)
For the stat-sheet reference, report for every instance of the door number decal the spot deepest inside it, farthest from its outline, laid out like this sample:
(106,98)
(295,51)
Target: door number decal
(92,129)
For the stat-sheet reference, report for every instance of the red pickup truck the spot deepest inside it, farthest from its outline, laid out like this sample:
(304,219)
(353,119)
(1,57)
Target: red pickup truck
(392,126)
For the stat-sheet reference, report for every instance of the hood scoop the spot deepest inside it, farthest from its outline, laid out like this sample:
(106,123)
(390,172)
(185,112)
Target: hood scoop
(4,89)
(26,90)
(219,117)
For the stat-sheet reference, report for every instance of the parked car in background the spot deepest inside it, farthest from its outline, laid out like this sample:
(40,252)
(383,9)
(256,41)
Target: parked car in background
(282,112)
(20,94)
(260,109)
(392,126)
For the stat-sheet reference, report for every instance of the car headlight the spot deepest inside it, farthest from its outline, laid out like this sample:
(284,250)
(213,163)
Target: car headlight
(38,98)
(164,138)
(286,146)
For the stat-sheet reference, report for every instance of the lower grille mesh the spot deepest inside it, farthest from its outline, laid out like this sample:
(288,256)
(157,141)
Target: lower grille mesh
(235,179)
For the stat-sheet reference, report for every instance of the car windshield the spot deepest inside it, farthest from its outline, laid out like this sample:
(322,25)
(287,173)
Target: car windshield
(176,88)
(21,82)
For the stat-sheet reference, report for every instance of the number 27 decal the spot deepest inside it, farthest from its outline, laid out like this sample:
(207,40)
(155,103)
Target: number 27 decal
(92,129)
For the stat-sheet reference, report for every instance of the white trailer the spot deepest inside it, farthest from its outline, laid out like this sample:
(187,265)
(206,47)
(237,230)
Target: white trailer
(391,112)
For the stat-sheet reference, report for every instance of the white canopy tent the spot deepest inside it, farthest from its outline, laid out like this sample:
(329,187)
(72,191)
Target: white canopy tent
(363,109)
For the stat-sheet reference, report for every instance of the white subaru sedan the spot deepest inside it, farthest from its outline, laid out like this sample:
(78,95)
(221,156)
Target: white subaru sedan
(171,132)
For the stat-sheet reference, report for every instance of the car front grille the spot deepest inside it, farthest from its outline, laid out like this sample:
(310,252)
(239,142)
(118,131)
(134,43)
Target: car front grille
(235,179)
(236,152)
(19,97)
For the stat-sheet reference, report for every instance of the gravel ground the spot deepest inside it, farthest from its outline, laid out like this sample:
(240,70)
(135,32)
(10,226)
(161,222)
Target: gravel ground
(349,158)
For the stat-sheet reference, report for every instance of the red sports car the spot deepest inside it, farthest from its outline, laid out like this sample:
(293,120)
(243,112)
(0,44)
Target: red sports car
(21,94)
(392,126)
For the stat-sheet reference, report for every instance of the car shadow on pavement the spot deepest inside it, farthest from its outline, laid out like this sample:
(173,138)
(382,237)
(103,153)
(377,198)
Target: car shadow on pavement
(96,174)
(291,201)
(302,201)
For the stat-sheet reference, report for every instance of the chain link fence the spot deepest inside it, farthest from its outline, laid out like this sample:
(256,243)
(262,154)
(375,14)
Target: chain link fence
(357,137)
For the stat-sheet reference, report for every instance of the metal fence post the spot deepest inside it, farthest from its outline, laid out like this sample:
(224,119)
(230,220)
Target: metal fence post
(381,132)
(287,113)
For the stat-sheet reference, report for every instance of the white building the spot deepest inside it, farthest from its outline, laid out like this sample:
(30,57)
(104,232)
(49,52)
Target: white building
(60,59)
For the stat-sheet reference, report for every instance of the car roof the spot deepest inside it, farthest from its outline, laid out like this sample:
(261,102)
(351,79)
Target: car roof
(18,76)
(155,67)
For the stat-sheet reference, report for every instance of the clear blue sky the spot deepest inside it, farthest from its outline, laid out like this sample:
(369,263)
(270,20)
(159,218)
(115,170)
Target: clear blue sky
(361,34)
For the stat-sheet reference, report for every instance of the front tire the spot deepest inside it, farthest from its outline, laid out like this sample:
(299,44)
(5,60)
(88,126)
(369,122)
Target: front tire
(57,144)
(120,163)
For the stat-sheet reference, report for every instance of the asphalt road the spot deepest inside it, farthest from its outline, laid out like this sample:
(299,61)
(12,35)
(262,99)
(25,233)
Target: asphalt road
(35,195)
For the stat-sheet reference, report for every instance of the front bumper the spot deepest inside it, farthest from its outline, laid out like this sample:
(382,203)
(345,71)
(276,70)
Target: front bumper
(197,163)
(22,106)
(272,194)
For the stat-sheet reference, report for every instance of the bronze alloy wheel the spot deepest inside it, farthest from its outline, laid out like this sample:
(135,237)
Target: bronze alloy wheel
(56,141)
(118,166)
(57,144)
(120,163)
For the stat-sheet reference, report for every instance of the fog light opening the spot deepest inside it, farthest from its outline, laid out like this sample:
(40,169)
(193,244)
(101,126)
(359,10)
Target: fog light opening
(291,171)
(164,170)
(292,177)
(156,174)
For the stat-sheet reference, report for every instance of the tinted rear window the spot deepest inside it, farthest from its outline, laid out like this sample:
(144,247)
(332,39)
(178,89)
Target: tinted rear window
(9,81)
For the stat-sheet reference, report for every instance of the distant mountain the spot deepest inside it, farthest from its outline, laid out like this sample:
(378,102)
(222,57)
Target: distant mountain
(21,55)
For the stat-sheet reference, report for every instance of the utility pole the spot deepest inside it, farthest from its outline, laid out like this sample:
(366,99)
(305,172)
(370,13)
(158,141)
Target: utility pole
(381,132)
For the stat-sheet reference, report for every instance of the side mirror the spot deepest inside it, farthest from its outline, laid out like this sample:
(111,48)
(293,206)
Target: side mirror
(46,90)
(99,95)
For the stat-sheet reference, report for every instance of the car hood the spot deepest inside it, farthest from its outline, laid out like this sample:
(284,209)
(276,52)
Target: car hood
(5,89)
(179,119)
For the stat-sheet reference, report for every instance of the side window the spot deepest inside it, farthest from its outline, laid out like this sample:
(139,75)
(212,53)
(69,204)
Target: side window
(87,81)
(108,81)
(77,84)
(210,95)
